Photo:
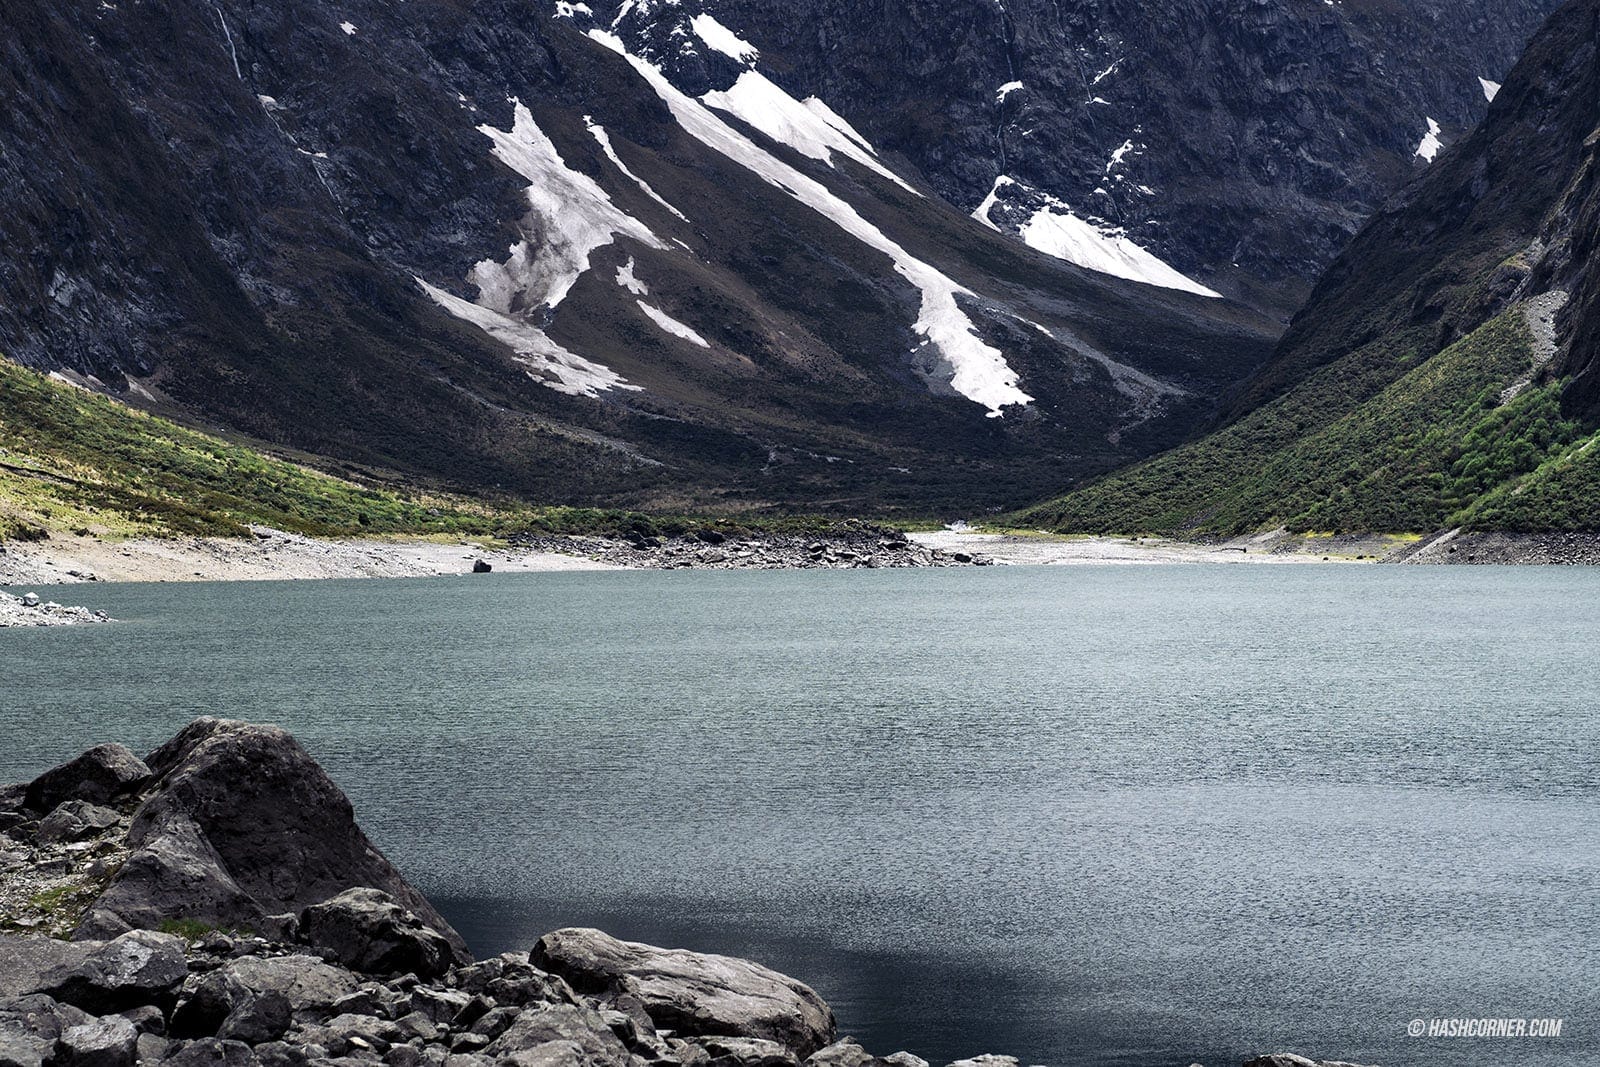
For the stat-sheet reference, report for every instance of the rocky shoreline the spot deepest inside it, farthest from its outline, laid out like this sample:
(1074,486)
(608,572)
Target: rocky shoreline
(158,911)
(30,610)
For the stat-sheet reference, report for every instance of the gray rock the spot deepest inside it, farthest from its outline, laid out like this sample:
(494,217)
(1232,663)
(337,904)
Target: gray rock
(73,820)
(846,1052)
(905,1059)
(1289,1059)
(134,969)
(147,1019)
(26,960)
(344,1033)
(30,1028)
(99,776)
(987,1060)
(438,1005)
(212,1052)
(13,798)
(691,993)
(205,849)
(369,931)
(562,1036)
(259,1017)
(745,1052)
(152,1048)
(310,986)
(107,1042)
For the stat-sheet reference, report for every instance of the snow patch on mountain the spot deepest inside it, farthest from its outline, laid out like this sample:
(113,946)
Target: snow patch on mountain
(603,139)
(721,39)
(1053,229)
(548,363)
(671,325)
(1430,146)
(572,217)
(630,281)
(961,360)
(1490,89)
(815,132)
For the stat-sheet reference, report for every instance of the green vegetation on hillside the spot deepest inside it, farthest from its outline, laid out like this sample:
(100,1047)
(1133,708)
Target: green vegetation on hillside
(74,461)
(1367,445)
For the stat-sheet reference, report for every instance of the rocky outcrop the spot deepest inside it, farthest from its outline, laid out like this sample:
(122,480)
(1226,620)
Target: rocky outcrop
(30,610)
(690,992)
(242,824)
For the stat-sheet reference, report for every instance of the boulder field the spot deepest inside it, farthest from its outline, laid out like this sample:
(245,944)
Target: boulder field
(216,903)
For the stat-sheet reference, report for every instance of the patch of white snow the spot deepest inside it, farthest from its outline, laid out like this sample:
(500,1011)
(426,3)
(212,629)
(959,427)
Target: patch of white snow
(1430,146)
(1490,89)
(813,132)
(672,325)
(1056,231)
(721,39)
(604,140)
(962,360)
(349,28)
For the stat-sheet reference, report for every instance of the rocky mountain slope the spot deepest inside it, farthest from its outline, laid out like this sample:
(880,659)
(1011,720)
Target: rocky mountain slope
(1242,142)
(666,255)
(260,928)
(1443,374)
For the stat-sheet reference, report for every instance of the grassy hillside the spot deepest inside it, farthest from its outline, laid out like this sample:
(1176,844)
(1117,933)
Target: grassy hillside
(74,461)
(1367,445)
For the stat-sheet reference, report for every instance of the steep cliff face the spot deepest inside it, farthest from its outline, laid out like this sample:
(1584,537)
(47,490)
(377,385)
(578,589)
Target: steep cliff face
(1444,372)
(666,254)
(1243,141)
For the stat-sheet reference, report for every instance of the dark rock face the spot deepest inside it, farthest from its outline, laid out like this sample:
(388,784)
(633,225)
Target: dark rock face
(243,825)
(369,932)
(692,993)
(134,969)
(101,774)
(1245,142)
(251,252)
(1509,214)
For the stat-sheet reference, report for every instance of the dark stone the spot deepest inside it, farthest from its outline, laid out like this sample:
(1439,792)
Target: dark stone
(310,986)
(140,967)
(745,1052)
(31,1027)
(107,1042)
(369,931)
(243,824)
(563,1034)
(693,993)
(73,820)
(482,566)
(99,776)
(212,1052)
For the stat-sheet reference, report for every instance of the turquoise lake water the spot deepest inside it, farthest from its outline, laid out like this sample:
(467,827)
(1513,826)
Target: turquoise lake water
(1084,815)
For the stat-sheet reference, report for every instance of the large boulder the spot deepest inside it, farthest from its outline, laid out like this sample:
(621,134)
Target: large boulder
(99,776)
(31,1029)
(243,825)
(692,993)
(242,995)
(563,1036)
(367,930)
(107,1042)
(140,967)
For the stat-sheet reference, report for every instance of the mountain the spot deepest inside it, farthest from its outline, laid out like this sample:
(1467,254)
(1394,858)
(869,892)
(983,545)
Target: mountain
(1444,372)
(721,255)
